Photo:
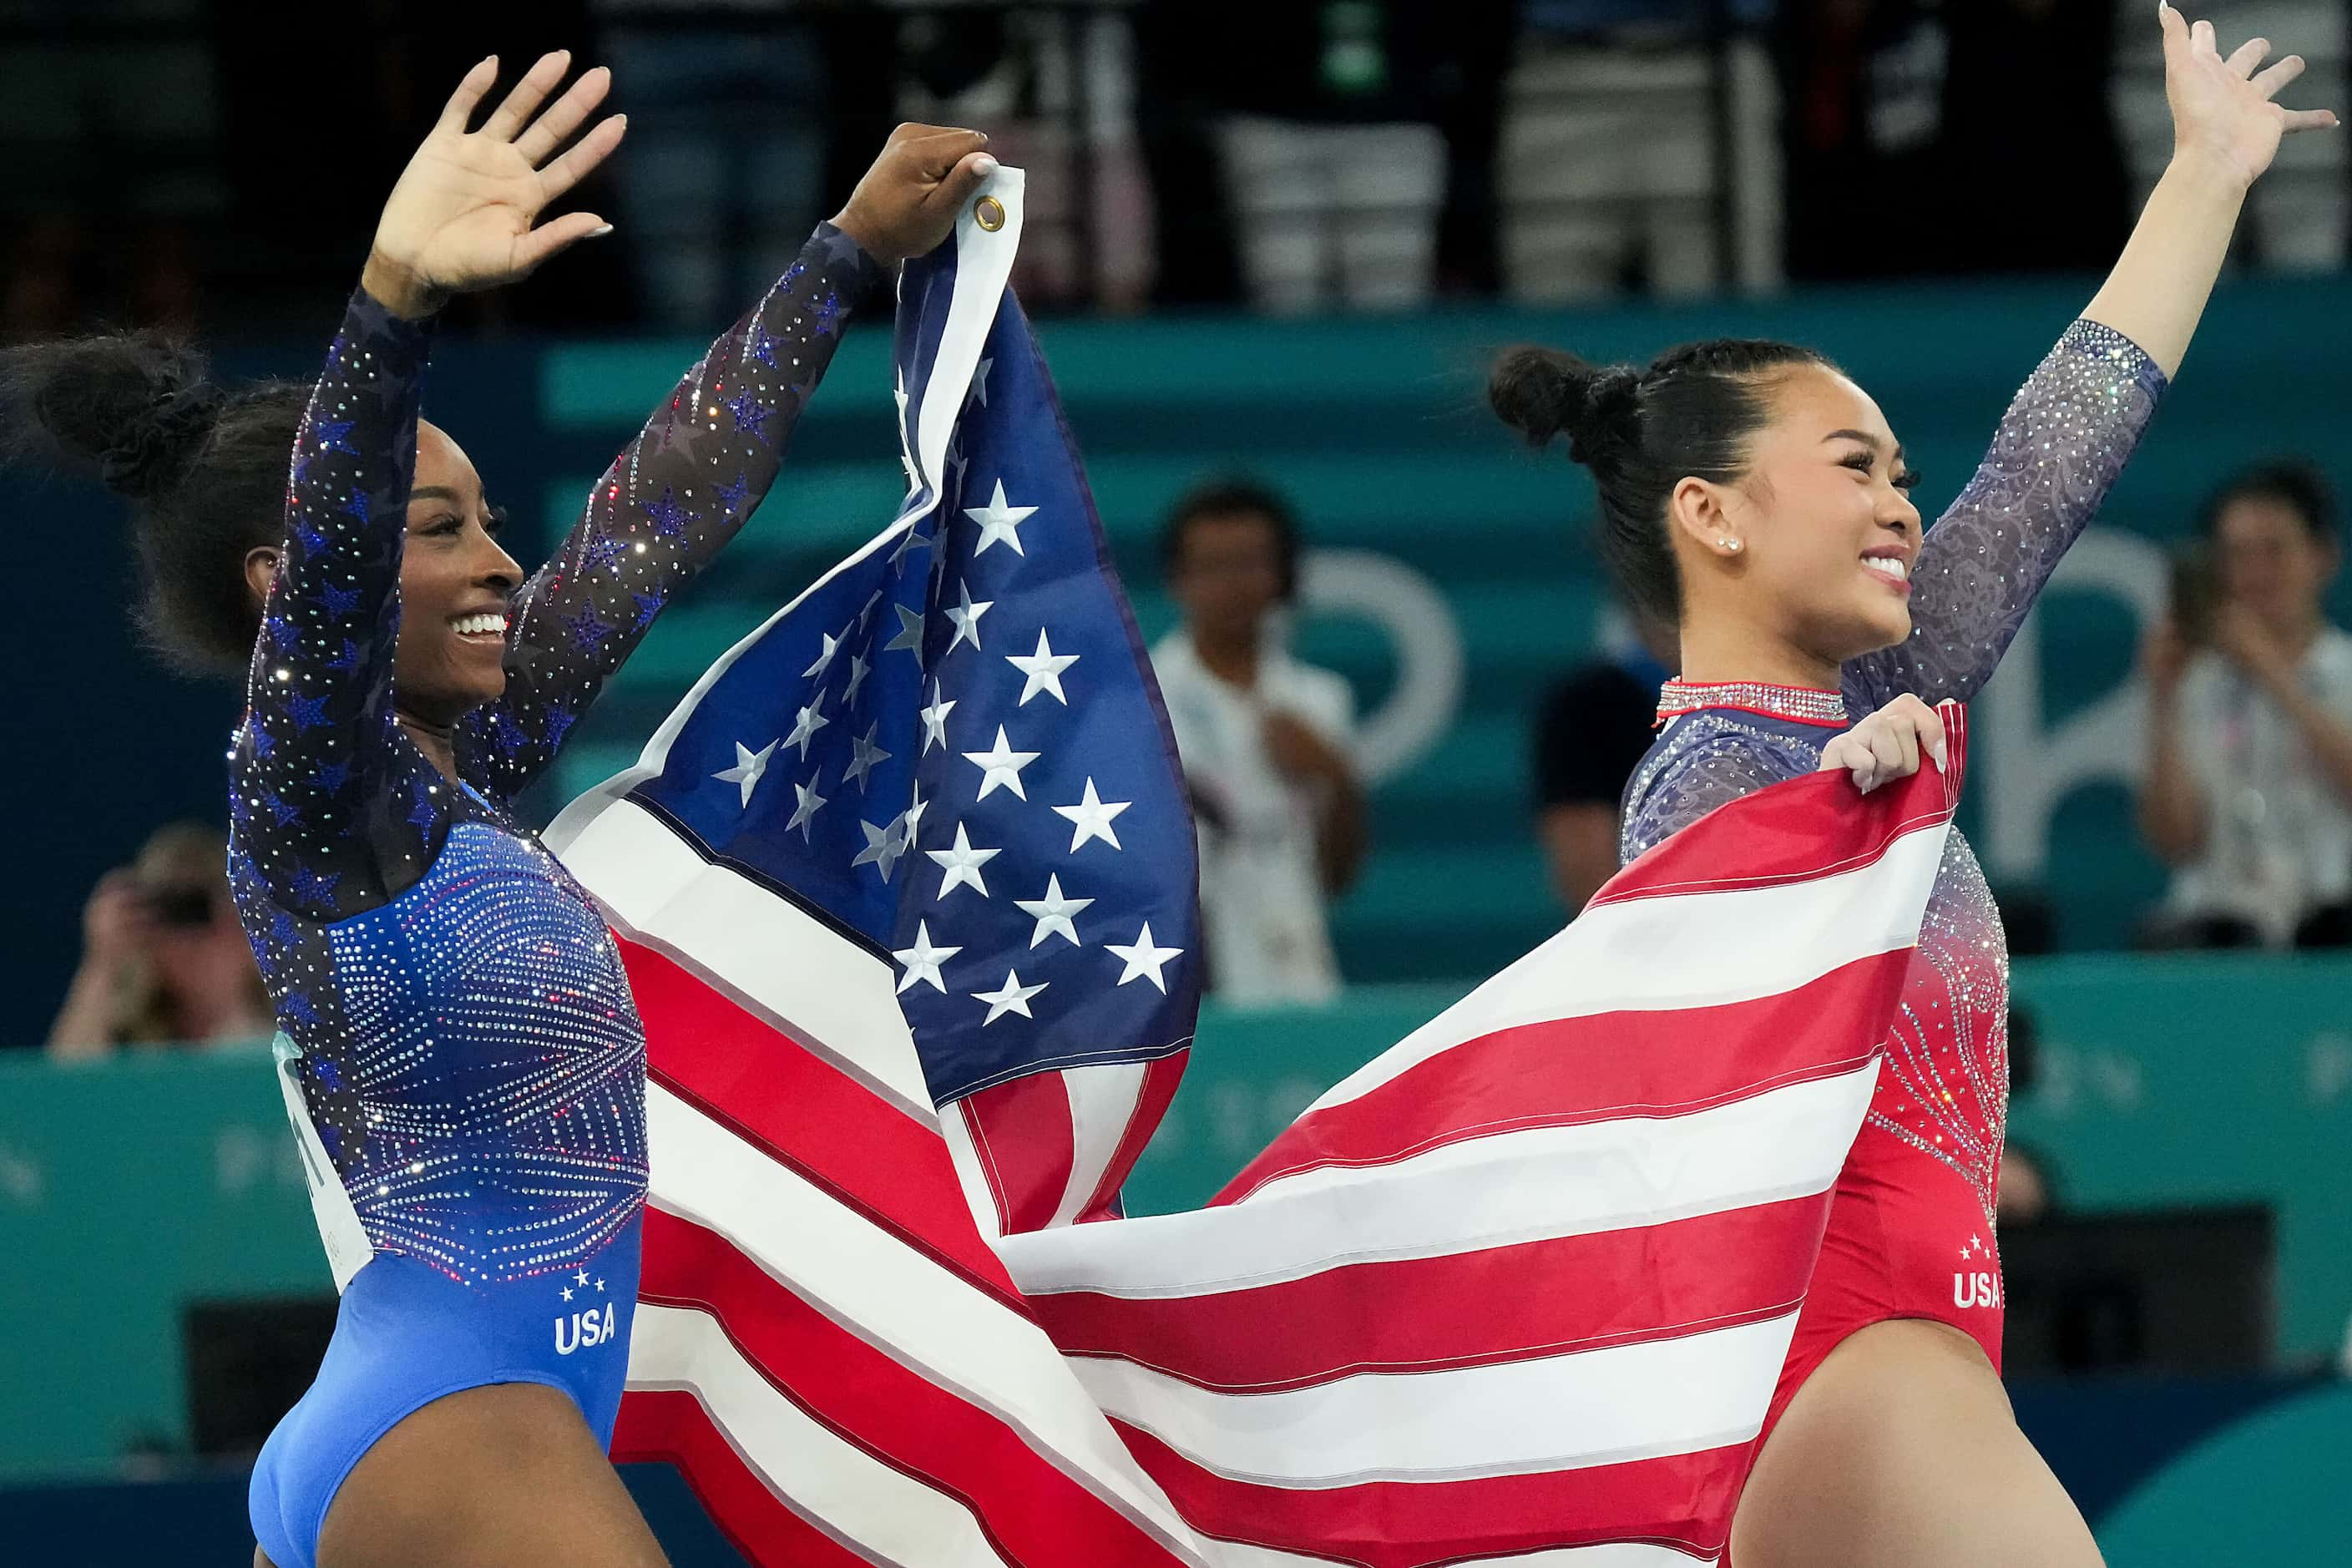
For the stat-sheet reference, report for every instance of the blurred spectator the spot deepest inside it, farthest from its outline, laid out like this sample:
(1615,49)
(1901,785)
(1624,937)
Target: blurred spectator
(727,150)
(1330,133)
(163,959)
(1266,744)
(2248,788)
(1596,725)
(1887,101)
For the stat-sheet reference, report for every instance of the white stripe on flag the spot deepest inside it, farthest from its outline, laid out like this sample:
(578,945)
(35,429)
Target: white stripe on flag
(827,991)
(1102,1104)
(1687,950)
(877,1511)
(922,1316)
(1512,1187)
(1608,1406)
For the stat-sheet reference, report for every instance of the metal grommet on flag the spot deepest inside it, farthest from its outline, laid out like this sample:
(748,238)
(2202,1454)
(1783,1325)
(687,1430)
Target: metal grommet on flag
(989,212)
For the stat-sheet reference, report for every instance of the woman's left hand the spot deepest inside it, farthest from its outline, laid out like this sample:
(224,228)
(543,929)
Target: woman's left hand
(2221,108)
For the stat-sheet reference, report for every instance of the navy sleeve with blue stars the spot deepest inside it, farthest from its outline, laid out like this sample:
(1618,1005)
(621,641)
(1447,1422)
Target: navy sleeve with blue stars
(666,507)
(333,809)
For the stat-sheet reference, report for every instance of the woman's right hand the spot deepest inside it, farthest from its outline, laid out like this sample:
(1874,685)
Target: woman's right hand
(1887,745)
(462,215)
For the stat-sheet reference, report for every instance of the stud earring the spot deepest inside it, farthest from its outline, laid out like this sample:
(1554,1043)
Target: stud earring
(1731,544)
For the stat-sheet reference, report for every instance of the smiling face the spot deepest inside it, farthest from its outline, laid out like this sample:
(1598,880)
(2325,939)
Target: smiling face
(1827,534)
(455,581)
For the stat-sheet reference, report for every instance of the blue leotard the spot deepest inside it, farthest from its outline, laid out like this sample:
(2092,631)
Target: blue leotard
(460,1056)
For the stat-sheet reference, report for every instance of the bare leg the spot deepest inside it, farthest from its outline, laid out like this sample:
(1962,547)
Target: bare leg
(1901,1452)
(503,1476)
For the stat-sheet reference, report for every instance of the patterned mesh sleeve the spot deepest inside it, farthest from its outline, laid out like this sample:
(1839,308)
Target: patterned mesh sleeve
(672,499)
(320,781)
(2065,437)
(1714,767)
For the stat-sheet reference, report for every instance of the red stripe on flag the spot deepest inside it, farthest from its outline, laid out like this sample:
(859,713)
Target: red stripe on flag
(1776,836)
(1032,1512)
(1684,1501)
(1159,1080)
(1027,1145)
(671,1425)
(1567,1072)
(742,1072)
(1470,1308)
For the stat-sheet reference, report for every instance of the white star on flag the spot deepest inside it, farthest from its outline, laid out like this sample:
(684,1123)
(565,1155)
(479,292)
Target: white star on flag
(911,633)
(858,669)
(923,961)
(963,864)
(824,659)
(883,846)
(1143,958)
(868,755)
(809,801)
(979,381)
(1044,669)
(966,617)
(805,727)
(1000,764)
(934,720)
(1052,914)
(749,765)
(915,809)
(999,521)
(1012,998)
(1090,818)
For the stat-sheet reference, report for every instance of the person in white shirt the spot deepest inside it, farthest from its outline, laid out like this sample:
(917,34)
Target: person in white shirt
(1267,748)
(2248,789)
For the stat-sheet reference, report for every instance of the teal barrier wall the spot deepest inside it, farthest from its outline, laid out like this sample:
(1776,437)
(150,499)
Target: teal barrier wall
(129,1189)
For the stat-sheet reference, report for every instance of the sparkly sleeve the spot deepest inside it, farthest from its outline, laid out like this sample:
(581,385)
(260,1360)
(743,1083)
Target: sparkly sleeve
(2065,437)
(669,503)
(319,777)
(1684,785)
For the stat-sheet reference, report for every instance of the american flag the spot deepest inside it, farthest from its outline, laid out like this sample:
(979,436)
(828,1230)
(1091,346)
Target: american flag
(905,888)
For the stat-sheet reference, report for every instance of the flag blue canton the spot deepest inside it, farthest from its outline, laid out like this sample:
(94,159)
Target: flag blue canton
(952,747)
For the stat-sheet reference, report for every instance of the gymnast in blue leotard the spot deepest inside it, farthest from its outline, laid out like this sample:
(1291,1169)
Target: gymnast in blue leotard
(459,1053)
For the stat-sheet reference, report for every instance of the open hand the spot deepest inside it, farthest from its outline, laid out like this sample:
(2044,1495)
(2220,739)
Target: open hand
(1887,745)
(907,202)
(2221,108)
(462,215)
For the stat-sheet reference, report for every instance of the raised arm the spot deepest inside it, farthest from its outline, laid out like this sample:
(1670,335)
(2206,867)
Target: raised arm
(685,487)
(316,758)
(333,806)
(2070,429)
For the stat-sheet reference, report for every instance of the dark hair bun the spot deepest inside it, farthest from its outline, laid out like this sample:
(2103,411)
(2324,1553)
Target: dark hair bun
(135,406)
(1542,393)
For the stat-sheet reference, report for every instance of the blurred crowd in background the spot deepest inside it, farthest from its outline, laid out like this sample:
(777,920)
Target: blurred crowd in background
(204,162)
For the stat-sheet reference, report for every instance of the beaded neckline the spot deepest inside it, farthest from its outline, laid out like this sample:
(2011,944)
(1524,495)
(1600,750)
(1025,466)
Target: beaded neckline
(1803,704)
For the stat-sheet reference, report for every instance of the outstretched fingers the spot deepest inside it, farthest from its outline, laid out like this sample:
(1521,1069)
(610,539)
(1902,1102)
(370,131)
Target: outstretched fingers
(564,116)
(583,157)
(523,99)
(470,88)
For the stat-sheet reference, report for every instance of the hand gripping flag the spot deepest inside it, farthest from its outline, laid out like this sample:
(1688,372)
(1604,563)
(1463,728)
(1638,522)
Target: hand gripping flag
(905,888)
